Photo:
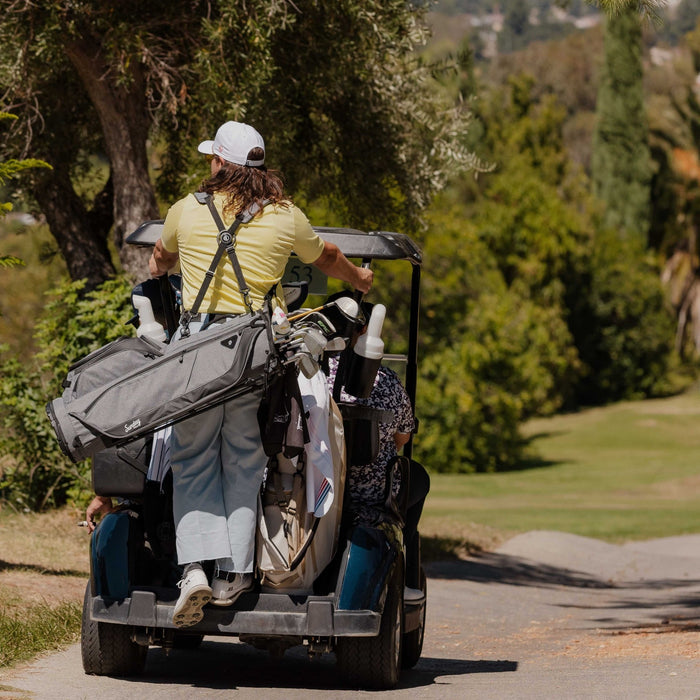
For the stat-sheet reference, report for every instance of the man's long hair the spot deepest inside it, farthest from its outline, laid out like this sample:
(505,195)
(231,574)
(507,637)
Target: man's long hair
(242,185)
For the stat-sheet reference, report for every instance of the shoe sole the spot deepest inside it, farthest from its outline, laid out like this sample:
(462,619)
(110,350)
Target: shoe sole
(225,602)
(189,611)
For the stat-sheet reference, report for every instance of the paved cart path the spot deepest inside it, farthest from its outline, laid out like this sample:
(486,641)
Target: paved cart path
(547,615)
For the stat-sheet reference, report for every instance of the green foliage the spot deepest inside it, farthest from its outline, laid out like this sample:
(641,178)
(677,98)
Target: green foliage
(8,261)
(623,328)
(543,310)
(23,291)
(475,394)
(675,130)
(568,70)
(621,160)
(12,166)
(74,324)
(37,474)
(349,114)
(509,356)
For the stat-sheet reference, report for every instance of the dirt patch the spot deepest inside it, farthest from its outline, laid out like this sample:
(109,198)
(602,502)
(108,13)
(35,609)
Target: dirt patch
(553,638)
(50,542)
(673,642)
(30,588)
(43,558)
(676,489)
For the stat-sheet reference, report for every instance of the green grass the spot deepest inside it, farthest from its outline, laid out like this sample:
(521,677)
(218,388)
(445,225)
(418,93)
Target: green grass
(37,629)
(630,471)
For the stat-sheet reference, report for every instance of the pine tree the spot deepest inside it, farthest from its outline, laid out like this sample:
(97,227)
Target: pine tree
(621,162)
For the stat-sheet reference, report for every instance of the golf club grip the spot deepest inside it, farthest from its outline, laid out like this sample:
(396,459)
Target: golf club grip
(166,297)
(344,358)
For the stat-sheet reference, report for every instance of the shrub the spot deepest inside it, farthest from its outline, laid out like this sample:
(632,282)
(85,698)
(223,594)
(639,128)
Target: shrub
(510,364)
(37,474)
(623,328)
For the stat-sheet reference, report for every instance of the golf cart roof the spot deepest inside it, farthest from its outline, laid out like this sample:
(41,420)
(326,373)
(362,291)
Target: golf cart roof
(383,245)
(379,245)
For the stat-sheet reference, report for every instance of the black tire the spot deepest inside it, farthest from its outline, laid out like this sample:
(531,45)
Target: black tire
(375,662)
(413,640)
(108,650)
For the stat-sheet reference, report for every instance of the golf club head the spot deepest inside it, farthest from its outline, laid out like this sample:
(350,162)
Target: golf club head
(320,320)
(307,365)
(336,345)
(315,341)
(348,306)
(345,315)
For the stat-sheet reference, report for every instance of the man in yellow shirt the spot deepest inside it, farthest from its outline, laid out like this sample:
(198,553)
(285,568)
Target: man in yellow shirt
(217,456)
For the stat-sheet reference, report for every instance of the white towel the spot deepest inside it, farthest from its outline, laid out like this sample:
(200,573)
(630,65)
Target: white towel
(320,489)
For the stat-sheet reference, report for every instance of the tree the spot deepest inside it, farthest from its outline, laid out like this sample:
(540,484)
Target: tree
(332,85)
(675,225)
(621,164)
(515,25)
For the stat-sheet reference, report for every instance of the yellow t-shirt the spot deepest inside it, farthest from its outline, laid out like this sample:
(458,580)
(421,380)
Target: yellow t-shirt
(263,247)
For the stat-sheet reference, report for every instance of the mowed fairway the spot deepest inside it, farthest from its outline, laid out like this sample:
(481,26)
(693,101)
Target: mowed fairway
(630,471)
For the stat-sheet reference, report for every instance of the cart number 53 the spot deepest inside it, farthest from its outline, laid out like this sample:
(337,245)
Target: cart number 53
(297,271)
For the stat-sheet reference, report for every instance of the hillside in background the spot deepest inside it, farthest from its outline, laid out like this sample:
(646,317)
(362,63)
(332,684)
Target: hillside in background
(562,52)
(494,28)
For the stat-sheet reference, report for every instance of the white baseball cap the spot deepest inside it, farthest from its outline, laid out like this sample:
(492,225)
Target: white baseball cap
(233,142)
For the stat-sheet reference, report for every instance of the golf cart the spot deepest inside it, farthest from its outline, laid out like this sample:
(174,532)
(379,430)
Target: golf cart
(355,607)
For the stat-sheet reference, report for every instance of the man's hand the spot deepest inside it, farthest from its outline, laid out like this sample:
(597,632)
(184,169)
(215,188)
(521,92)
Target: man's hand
(333,263)
(100,505)
(365,279)
(161,260)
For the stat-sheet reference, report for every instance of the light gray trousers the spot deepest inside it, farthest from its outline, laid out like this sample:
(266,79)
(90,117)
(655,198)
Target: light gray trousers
(218,464)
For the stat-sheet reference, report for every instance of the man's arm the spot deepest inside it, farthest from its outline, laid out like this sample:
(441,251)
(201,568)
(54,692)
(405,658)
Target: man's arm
(333,263)
(161,260)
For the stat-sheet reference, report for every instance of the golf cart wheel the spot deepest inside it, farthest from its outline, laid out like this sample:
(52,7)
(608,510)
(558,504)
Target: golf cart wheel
(375,662)
(108,650)
(413,640)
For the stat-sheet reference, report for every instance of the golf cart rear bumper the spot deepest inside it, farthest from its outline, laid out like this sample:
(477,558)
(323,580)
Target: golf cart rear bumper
(258,614)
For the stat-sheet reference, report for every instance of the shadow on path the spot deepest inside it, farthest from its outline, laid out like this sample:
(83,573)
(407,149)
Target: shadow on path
(622,606)
(224,665)
(492,567)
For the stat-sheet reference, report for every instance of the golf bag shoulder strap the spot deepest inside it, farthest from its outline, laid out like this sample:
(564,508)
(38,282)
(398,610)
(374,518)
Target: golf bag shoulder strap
(227,242)
(228,237)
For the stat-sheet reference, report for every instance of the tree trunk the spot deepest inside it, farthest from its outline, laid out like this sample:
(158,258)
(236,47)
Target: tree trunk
(81,235)
(125,124)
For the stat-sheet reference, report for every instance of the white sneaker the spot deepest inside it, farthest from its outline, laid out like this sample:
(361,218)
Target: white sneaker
(412,595)
(195,593)
(225,591)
